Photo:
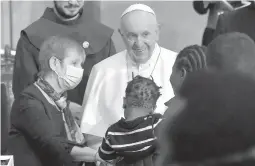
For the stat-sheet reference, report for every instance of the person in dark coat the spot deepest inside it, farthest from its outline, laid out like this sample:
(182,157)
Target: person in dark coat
(241,20)
(213,8)
(43,131)
(66,18)
(215,124)
(228,52)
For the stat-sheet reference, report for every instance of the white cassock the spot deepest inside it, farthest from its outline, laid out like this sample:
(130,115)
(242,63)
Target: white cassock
(103,99)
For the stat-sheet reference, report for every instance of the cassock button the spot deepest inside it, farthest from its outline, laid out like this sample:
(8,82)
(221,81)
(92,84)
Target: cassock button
(85,44)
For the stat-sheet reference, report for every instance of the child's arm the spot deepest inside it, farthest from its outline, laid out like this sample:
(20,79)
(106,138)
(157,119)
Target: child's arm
(106,152)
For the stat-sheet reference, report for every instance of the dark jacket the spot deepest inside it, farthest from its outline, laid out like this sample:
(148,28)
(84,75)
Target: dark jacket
(37,136)
(201,9)
(241,20)
(83,29)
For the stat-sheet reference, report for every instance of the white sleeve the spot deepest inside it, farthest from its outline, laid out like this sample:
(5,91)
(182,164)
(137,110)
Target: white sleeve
(90,115)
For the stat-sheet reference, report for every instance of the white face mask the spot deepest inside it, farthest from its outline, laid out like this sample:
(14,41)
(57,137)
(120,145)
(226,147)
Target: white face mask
(72,77)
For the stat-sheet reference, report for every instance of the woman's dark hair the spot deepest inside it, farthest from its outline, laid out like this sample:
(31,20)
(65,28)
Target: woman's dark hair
(142,92)
(218,119)
(191,58)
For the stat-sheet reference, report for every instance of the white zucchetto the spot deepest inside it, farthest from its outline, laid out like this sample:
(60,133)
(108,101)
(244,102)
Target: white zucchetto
(136,7)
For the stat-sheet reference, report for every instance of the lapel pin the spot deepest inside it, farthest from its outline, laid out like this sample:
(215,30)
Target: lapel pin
(85,44)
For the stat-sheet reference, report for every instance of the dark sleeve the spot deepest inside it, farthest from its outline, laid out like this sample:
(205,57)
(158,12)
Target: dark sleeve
(34,122)
(106,152)
(25,65)
(220,28)
(157,124)
(199,7)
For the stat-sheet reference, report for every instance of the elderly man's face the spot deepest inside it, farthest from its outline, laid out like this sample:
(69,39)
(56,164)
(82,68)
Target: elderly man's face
(69,8)
(139,31)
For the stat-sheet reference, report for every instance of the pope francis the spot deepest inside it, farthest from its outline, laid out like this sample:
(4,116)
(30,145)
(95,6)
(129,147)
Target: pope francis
(103,99)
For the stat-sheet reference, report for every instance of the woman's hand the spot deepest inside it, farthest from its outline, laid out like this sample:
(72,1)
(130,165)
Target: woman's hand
(101,162)
(98,158)
(76,110)
(83,154)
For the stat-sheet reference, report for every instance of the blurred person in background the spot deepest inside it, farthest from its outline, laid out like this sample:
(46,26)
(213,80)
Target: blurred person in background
(240,20)
(233,51)
(214,126)
(214,9)
(43,131)
(228,52)
(65,18)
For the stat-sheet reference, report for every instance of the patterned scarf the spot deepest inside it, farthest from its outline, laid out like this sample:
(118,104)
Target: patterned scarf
(74,134)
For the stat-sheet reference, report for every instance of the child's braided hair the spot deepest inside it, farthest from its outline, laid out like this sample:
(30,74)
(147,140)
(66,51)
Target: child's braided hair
(142,92)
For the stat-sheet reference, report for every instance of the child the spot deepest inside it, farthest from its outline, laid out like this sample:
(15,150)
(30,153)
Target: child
(131,141)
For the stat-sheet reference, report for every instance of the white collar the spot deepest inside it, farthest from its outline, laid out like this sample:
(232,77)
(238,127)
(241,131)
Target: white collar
(150,62)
